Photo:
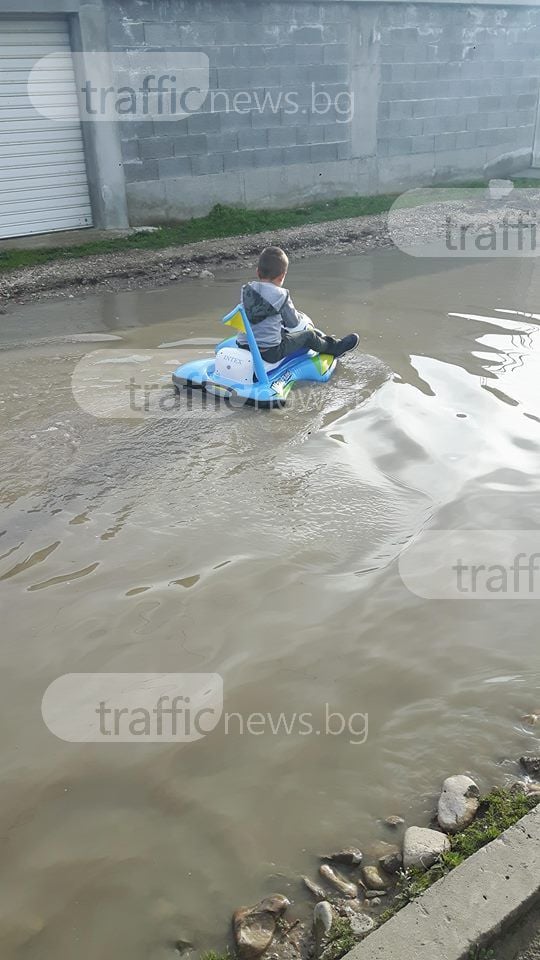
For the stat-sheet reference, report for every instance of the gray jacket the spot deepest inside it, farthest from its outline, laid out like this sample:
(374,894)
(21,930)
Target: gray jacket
(269,308)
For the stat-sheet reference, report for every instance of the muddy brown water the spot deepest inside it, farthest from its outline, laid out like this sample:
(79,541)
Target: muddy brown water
(263,547)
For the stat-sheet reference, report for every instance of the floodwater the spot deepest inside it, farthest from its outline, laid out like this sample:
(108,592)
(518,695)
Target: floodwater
(261,546)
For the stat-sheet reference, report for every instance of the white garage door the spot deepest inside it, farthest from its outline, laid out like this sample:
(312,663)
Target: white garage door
(43,181)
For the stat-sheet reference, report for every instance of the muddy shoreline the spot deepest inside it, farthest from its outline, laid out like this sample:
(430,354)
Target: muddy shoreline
(140,269)
(469,225)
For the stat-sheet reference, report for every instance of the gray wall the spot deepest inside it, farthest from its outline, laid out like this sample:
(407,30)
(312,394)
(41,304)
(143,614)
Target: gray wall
(440,91)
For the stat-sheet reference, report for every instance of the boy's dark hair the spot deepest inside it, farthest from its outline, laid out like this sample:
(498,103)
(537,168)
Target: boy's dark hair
(273,262)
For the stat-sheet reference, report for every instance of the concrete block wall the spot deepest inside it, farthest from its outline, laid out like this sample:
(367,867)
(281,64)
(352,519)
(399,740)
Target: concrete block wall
(439,91)
(459,88)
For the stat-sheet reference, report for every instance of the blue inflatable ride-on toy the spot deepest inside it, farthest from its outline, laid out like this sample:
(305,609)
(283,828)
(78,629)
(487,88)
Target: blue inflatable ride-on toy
(243,376)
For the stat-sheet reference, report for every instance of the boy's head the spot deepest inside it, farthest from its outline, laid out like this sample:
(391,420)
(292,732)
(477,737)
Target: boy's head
(273,265)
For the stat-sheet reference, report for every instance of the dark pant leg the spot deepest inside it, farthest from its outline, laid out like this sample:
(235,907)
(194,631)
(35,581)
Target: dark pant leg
(294,340)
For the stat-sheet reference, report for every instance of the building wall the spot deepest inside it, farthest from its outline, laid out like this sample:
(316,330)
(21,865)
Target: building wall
(440,91)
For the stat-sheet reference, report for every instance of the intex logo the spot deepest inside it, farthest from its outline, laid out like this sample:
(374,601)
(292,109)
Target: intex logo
(230,358)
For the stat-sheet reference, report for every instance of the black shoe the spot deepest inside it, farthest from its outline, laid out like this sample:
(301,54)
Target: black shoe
(350,342)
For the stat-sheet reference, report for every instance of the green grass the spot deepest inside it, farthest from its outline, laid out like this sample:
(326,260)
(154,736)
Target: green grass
(480,953)
(220,222)
(223,221)
(498,811)
(341,939)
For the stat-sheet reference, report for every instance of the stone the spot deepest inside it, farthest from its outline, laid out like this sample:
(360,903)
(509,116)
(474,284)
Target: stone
(374,894)
(361,924)
(531,765)
(374,879)
(458,803)
(531,718)
(379,848)
(422,847)
(314,888)
(346,888)
(394,822)
(391,862)
(323,919)
(254,927)
(206,275)
(498,189)
(351,857)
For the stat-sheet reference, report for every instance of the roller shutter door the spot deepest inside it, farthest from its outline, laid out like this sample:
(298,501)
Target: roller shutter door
(43,180)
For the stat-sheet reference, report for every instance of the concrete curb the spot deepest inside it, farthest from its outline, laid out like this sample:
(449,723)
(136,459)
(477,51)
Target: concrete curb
(472,905)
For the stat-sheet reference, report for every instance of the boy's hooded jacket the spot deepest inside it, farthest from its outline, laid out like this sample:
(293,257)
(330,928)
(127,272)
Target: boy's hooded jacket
(269,308)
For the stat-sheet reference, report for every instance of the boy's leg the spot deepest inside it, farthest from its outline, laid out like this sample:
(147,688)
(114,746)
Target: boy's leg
(294,340)
(310,339)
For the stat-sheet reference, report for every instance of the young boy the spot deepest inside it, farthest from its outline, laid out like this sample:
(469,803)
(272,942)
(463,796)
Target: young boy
(273,316)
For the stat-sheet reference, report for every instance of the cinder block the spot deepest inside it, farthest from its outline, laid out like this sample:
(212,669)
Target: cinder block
(264,119)
(248,78)
(478,121)
(411,127)
(323,152)
(281,136)
(171,128)
(238,160)
(270,157)
(423,144)
(404,34)
(427,71)
(188,146)
(334,12)
(403,108)
(325,73)
(154,147)
(125,33)
(203,166)
(136,129)
(526,100)
(445,141)
(400,146)
(160,34)
(296,154)
(487,138)
(130,150)
(310,134)
(252,139)
(393,53)
(468,105)
(203,123)
(197,34)
(174,167)
(235,32)
(313,34)
(466,139)
(448,107)
(249,55)
(312,53)
(146,170)
(336,53)
(232,120)
(424,108)
(222,142)
(337,132)
(489,103)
